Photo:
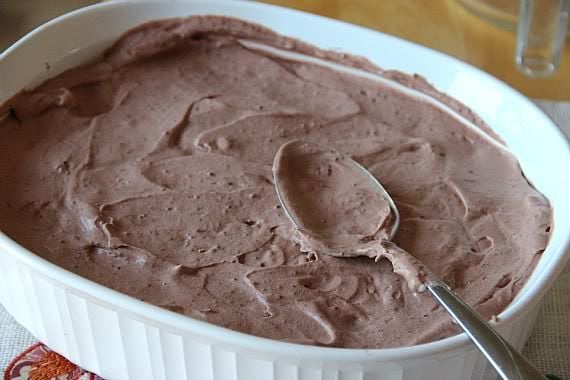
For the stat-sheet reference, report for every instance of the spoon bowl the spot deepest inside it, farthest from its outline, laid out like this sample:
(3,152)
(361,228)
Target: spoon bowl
(301,168)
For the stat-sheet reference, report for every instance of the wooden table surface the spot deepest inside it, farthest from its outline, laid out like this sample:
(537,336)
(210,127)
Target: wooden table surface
(447,26)
(444,25)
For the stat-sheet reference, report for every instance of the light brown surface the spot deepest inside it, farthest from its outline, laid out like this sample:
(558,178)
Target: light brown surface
(447,26)
(18,17)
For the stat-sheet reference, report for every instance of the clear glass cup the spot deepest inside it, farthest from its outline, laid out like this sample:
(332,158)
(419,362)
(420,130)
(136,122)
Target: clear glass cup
(541,27)
(541,35)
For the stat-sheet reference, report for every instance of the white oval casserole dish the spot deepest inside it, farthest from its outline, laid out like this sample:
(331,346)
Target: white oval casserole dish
(119,337)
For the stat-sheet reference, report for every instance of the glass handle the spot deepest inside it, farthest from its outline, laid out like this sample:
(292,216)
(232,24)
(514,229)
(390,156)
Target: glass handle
(541,35)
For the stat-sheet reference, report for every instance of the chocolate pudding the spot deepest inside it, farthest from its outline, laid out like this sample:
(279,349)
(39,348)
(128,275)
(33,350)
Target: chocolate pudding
(150,171)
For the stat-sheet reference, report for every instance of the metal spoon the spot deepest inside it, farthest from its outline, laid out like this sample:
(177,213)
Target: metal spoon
(508,362)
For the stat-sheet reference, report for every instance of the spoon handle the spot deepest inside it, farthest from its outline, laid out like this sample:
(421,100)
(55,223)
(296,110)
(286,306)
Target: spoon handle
(510,364)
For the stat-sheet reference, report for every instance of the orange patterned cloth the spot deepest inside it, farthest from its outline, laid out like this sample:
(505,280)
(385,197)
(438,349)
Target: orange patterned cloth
(40,363)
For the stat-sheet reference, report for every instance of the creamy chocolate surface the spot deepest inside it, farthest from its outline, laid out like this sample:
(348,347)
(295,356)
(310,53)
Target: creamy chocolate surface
(150,172)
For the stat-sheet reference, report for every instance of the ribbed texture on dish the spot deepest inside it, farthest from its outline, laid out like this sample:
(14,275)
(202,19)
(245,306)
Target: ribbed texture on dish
(117,345)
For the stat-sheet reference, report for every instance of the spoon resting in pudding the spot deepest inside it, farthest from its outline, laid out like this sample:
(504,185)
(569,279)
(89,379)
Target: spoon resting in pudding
(338,208)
